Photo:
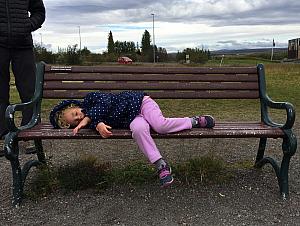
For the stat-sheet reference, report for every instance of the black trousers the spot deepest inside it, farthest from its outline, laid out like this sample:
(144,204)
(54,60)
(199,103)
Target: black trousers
(23,67)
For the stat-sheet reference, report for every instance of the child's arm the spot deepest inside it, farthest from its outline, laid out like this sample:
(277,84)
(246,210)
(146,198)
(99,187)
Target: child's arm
(83,123)
(103,130)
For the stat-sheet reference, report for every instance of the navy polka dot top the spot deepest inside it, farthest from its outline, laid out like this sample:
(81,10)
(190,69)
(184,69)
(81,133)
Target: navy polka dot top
(114,109)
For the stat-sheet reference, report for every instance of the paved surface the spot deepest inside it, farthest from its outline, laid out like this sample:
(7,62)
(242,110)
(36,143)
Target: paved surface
(252,198)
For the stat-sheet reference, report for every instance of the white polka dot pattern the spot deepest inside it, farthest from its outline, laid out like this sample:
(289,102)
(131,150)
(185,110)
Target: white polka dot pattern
(114,109)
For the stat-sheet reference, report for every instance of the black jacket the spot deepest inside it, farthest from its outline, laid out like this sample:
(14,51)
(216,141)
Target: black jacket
(18,18)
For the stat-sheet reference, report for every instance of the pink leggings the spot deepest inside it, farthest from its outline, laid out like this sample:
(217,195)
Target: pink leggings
(151,116)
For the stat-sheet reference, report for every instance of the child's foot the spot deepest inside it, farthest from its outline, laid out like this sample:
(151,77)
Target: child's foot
(165,176)
(204,121)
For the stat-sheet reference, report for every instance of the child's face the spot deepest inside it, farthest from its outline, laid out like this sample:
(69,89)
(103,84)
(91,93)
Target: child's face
(73,116)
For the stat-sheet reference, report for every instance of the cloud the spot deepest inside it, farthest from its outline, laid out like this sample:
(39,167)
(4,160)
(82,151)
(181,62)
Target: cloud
(234,44)
(215,13)
(177,23)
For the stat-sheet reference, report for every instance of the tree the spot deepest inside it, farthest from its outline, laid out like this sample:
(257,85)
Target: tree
(69,56)
(42,54)
(110,44)
(126,47)
(146,46)
(162,55)
(85,51)
(196,55)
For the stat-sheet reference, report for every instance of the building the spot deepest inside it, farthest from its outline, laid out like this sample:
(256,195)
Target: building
(294,49)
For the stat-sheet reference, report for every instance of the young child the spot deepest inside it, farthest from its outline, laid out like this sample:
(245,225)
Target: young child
(128,109)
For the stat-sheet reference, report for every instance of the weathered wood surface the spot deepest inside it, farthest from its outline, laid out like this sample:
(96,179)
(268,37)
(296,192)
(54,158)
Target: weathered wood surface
(221,130)
(159,82)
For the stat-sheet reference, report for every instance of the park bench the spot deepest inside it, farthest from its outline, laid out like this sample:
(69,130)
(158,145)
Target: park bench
(66,82)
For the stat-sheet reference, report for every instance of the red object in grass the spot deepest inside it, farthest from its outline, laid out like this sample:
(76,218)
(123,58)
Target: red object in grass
(124,60)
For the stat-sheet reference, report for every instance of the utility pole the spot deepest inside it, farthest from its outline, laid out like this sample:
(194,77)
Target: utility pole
(41,39)
(79,38)
(273,45)
(153,38)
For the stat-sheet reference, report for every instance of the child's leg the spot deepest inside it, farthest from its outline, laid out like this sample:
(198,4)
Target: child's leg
(153,115)
(141,134)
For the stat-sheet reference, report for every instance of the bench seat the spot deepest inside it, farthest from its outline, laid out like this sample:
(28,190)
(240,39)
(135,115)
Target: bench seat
(221,130)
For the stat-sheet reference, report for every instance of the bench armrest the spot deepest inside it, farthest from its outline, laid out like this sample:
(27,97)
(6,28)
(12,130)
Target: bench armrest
(12,109)
(35,103)
(290,113)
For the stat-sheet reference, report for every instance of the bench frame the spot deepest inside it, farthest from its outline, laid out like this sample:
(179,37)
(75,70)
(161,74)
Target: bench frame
(284,131)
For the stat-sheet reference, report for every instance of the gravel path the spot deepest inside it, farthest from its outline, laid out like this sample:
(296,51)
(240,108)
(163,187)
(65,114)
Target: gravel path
(252,198)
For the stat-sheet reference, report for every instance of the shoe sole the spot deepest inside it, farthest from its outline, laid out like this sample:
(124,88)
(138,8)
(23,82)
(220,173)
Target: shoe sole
(214,123)
(167,184)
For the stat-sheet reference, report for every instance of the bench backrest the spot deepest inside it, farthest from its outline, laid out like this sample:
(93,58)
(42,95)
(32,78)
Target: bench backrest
(159,82)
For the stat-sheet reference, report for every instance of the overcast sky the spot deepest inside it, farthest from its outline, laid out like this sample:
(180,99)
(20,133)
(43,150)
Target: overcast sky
(212,24)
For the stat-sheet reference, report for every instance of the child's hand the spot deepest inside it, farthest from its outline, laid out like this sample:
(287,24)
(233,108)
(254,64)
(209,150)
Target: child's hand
(104,130)
(83,123)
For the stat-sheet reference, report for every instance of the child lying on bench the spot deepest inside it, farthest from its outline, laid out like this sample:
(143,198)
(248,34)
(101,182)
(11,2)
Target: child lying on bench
(128,109)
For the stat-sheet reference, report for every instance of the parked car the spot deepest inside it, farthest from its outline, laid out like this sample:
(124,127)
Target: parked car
(124,60)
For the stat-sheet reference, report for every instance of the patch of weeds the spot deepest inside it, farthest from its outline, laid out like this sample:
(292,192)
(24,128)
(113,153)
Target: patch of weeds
(205,169)
(84,173)
(43,183)
(246,164)
(136,173)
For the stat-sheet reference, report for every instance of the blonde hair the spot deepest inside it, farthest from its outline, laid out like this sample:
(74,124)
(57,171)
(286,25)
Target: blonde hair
(60,117)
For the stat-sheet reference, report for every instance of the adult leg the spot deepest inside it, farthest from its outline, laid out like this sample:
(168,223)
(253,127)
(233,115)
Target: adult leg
(153,115)
(4,86)
(23,66)
(141,134)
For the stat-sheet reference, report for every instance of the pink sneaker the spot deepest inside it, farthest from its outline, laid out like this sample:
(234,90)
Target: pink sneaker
(165,176)
(204,121)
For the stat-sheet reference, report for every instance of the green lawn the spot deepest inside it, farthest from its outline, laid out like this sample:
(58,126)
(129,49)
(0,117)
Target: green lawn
(237,61)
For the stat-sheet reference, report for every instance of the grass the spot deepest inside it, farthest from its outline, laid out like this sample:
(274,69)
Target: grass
(87,172)
(205,169)
(231,60)
(283,82)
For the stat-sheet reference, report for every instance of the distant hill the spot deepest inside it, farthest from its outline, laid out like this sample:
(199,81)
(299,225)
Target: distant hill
(245,51)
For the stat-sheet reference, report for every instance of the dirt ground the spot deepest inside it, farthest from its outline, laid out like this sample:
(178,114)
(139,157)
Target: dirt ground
(251,198)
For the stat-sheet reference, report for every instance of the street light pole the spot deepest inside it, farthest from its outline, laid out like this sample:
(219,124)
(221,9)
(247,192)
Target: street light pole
(79,38)
(153,38)
(41,39)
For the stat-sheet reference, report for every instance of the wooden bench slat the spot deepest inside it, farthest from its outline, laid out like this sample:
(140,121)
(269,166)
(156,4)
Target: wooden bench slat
(152,70)
(219,125)
(221,130)
(151,77)
(227,94)
(56,85)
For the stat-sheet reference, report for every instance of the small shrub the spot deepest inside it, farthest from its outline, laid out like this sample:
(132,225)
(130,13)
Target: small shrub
(206,169)
(84,173)
(43,183)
